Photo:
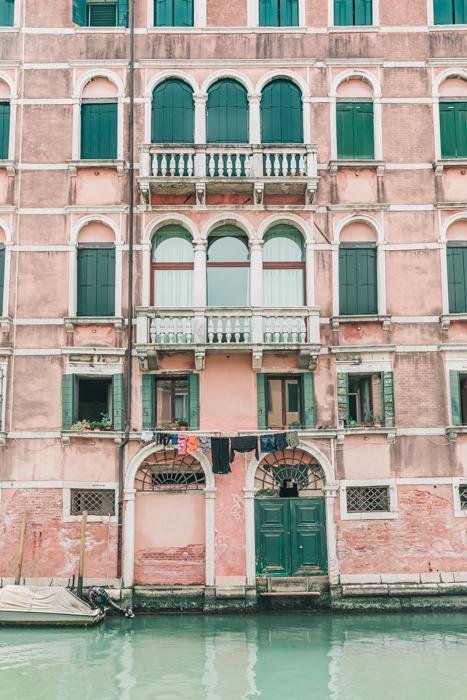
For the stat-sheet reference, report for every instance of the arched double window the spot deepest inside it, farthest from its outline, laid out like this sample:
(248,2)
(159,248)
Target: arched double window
(283,267)
(281,113)
(227,112)
(228,267)
(173,115)
(172,268)
(99,120)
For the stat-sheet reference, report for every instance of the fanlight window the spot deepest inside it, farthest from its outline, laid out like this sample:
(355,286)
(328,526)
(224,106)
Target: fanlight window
(167,471)
(290,470)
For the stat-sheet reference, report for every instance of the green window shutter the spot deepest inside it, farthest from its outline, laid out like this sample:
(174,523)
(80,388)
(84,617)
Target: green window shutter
(96,281)
(183,13)
(163,13)
(342,398)
(268,13)
(2,278)
(355,130)
(358,289)
(309,404)
(102,15)
(99,130)
(148,401)
(343,13)
(461,129)
(261,401)
(118,402)
(363,12)
(345,129)
(122,13)
(447,119)
(7,13)
(457,278)
(173,113)
(460,11)
(4,130)
(388,398)
(79,12)
(456,409)
(281,113)
(69,395)
(288,13)
(444,11)
(193,394)
(227,113)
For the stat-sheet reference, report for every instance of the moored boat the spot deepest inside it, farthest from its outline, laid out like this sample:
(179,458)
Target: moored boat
(45,605)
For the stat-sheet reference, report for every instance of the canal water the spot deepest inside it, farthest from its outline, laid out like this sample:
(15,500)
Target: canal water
(269,656)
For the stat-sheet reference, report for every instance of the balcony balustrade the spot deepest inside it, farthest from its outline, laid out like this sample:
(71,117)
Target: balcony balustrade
(202,169)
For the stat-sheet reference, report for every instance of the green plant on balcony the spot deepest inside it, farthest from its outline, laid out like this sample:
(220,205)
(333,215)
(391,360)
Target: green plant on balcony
(104,423)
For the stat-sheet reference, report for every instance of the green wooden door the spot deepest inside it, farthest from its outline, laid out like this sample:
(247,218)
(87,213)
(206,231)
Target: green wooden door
(290,536)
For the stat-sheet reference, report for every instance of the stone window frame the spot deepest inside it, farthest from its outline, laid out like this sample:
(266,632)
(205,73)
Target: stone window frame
(459,512)
(107,486)
(374,26)
(392,514)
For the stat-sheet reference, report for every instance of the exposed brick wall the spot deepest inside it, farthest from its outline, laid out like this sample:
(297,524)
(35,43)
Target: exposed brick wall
(170,565)
(420,381)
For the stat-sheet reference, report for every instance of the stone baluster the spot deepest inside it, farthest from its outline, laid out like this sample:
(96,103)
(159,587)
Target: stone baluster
(211,330)
(285,165)
(293,165)
(302,330)
(212,165)
(277,164)
(189,166)
(301,165)
(246,330)
(268,165)
(229,165)
(181,165)
(172,166)
(237,329)
(238,165)
(164,165)
(219,329)
(152,330)
(247,166)
(171,330)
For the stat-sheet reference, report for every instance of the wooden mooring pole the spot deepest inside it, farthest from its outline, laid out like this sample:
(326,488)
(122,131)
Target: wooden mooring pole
(82,549)
(22,541)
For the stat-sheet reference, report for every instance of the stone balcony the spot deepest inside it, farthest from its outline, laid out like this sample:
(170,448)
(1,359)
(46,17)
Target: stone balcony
(200,170)
(254,330)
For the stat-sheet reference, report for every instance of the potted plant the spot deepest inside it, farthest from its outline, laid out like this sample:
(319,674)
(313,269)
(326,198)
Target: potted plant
(181,423)
(295,425)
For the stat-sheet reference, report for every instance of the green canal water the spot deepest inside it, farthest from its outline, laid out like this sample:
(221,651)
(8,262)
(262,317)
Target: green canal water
(270,656)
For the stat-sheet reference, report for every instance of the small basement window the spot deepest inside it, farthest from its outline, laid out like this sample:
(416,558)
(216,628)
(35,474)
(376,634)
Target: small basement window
(93,501)
(463,496)
(368,499)
(94,398)
(364,397)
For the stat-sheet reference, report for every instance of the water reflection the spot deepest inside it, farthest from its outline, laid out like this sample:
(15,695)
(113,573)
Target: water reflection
(286,657)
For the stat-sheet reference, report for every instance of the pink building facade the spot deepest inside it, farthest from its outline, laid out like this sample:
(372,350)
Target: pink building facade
(294,254)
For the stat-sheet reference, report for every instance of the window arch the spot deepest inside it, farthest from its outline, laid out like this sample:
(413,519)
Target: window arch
(358,273)
(453,117)
(228,267)
(227,112)
(281,112)
(172,268)
(172,114)
(283,267)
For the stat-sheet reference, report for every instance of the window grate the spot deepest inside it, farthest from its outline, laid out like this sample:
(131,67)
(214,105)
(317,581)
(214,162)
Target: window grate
(169,471)
(94,501)
(368,499)
(289,465)
(463,496)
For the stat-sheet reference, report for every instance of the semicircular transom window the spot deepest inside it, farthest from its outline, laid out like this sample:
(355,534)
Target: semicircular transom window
(281,113)
(173,113)
(168,471)
(283,267)
(228,267)
(288,473)
(172,268)
(227,112)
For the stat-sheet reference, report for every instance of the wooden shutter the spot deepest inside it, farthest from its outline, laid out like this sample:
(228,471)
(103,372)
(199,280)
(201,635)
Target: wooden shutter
(343,13)
(163,13)
(461,129)
(102,15)
(288,13)
(2,278)
(122,13)
(183,13)
(342,398)
(444,11)
(173,113)
(309,404)
(364,133)
(99,130)
(96,281)
(227,113)
(460,11)
(345,129)
(447,122)
(7,13)
(269,13)
(281,113)
(363,12)
(148,397)
(4,130)
(388,398)
(456,408)
(69,396)
(79,12)
(193,398)
(457,278)
(358,289)
(261,401)
(118,402)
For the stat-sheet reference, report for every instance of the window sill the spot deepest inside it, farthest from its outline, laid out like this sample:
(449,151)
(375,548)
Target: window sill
(354,28)
(362,163)
(114,435)
(386,515)
(446,27)
(116,321)
(447,319)
(371,318)
(9,30)
(74,165)
(442,163)
(9,166)
(390,433)
(452,431)
(99,30)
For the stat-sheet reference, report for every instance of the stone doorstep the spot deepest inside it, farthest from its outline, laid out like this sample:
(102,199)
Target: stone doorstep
(296,584)
(169,591)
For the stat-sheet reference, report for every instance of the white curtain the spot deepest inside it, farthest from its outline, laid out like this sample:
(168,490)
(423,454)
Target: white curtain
(174,288)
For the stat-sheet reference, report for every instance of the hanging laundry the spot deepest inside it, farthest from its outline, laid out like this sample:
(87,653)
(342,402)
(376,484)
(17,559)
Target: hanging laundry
(147,435)
(281,441)
(204,442)
(220,455)
(192,442)
(246,443)
(163,439)
(182,445)
(267,443)
(292,438)
(173,439)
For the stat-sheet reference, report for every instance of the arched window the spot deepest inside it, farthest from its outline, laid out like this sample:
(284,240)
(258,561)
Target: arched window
(173,13)
(281,113)
(355,131)
(283,267)
(7,13)
(450,11)
(453,117)
(173,115)
(172,268)
(99,120)
(278,13)
(456,252)
(2,273)
(227,113)
(228,267)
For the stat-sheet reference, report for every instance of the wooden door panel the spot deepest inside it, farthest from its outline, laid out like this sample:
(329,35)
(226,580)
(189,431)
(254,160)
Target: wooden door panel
(308,536)
(272,537)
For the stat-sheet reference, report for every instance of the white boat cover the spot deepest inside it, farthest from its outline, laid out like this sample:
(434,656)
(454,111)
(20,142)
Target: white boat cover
(44,599)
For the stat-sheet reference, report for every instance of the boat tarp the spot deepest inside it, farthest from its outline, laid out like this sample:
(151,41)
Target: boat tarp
(44,599)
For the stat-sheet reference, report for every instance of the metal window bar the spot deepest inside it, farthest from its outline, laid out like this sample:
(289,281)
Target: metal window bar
(368,499)
(167,471)
(94,501)
(288,465)
(463,496)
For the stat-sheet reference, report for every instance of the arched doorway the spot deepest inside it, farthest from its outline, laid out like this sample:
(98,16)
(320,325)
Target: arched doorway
(290,515)
(170,520)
